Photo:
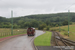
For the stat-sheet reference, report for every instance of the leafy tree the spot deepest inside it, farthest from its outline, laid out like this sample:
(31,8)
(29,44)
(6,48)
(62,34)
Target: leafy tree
(37,20)
(47,28)
(42,26)
(56,25)
(65,22)
(15,26)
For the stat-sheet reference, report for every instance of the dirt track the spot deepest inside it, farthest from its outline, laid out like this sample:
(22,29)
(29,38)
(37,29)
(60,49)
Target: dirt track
(20,43)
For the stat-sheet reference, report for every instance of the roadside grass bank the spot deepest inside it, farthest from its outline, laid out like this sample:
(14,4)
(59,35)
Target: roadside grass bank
(43,40)
(64,31)
(5,32)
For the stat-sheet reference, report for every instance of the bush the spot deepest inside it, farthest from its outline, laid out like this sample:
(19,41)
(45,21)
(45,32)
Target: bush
(42,26)
(53,29)
(56,25)
(47,28)
(65,33)
(44,29)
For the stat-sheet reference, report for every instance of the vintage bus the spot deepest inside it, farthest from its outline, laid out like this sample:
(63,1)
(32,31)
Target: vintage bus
(30,31)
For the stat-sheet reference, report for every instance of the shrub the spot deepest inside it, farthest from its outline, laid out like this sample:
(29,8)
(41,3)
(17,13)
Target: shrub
(47,28)
(42,26)
(65,33)
(44,29)
(56,25)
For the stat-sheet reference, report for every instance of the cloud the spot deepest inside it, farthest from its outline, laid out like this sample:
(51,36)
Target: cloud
(28,7)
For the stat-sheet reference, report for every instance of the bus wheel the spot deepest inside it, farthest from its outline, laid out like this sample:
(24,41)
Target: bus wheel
(28,35)
(33,35)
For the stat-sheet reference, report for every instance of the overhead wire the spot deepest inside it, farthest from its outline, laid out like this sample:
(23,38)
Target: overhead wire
(69,6)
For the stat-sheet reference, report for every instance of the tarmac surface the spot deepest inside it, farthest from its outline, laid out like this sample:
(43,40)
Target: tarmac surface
(23,42)
(55,48)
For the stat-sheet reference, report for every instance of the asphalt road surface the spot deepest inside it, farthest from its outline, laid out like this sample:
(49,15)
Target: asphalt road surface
(20,43)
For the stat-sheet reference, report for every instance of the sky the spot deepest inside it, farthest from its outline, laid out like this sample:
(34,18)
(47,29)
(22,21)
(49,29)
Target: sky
(31,7)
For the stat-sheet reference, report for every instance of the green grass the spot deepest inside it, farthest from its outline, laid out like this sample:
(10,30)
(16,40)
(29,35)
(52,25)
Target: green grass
(73,22)
(13,34)
(5,32)
(43,40)
(64,29)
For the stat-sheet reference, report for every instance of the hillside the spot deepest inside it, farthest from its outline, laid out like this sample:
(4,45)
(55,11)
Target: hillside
(24,21)
(43,17)
(49,17)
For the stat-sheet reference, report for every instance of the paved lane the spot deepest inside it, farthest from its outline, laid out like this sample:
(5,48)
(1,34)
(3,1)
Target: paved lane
(20,43)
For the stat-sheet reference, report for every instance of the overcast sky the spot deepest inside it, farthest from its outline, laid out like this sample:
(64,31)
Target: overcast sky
(28,7)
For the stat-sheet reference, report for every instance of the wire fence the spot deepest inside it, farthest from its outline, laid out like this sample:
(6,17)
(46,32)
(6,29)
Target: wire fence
(4,34)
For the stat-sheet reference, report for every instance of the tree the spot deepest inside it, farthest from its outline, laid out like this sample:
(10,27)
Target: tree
(56,25)
(15,26)
(42,26)
(47,28)
(65,22)
(34,23)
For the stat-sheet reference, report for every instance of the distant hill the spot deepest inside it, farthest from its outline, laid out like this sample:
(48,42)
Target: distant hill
(3,19)
(49,17)
(36,20)
(42,17)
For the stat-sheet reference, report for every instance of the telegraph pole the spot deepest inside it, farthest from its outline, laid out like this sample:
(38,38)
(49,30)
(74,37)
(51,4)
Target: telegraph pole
(12,22)
(68,20)
(59,25)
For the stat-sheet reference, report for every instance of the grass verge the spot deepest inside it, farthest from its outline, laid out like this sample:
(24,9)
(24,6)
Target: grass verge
(64,31)
(43,40)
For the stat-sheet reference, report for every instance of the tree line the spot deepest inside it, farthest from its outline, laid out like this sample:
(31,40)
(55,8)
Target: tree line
(39,21)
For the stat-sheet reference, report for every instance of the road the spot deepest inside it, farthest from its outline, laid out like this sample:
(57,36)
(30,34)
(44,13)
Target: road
(20,43)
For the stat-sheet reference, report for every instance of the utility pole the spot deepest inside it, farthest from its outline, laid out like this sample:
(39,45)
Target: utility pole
(12,22)
(68,20)
(59,25)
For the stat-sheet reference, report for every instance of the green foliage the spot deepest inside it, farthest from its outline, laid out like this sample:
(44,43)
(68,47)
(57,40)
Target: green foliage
(37,20)
(42,26)
(56,25)
(47,28)
(15,26)
(65,33)
(65,22)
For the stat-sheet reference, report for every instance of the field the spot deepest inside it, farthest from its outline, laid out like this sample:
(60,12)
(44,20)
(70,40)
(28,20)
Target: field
(64,31)
(4,32)
(43,40)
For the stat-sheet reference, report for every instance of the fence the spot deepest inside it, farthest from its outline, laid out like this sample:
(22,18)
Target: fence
(9,33)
